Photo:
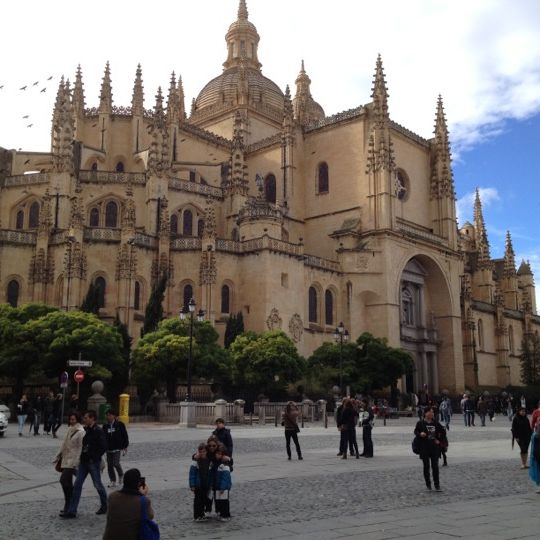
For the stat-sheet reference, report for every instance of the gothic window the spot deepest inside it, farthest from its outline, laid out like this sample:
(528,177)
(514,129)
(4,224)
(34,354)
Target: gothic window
(200,228)
(188,295)
(270,188)
(511,339)
(234,234)
(480,334)
(111,214)
(225,299)
(322,178)
(13,293)
(99,286)
(137,296)
(33,216)
(192,176)
(187,228)
(312,308)
(402,185)
(174,224)
(407,307)
(19,222)
(94,217)
(94,166)
(224,173)
(328,307)
(119,167)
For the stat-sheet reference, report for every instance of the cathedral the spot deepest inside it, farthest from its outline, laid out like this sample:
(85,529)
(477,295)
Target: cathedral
(257,202)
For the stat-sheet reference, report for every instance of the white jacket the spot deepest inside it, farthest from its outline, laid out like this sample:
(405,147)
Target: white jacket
(71,448)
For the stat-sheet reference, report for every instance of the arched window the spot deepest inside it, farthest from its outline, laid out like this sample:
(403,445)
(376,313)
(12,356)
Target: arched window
(94,166)
(119,167)
(312,308)
(200,228)
(270,188)
(137,296)
(192,176)
(33,216)
(407,307)
(511,339)
(188,295)
(94,217)
(174,224)
(99,286)
(187,226)
(322,178)
(328,307)
(13,293)
(111,214)
(480,334)
(225,299)
(19,221)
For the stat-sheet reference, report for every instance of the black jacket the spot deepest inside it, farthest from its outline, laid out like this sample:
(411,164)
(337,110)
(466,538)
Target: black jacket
(224,437)
(521,429)
(94,444)
(116,435)
(435,432)
(348,418)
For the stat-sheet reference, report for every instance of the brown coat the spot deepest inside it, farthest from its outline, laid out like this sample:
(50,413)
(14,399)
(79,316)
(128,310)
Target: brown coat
(289,419)
(124,516)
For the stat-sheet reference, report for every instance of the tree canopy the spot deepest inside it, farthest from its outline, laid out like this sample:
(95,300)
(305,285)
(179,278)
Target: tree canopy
(153,313)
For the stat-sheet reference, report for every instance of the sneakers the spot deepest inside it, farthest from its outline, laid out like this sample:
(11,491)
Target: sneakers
(68,515)
(111,485)
(102,510)
(300,458)
(224,518)
(438,488)
(121,480)
(200,519)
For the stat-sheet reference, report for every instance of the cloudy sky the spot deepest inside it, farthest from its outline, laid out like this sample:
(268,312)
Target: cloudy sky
(483,56)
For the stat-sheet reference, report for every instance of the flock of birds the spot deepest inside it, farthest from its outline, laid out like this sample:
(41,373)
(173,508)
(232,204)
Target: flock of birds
(30,87)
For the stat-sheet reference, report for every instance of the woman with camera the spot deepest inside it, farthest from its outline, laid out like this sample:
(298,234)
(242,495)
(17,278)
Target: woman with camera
(289,422)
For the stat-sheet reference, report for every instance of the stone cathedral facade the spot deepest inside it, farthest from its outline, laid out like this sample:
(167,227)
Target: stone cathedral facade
(258,202)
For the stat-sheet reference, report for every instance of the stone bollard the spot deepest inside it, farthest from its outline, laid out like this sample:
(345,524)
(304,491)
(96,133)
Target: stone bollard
(96,399)
(239,405)
(220,409)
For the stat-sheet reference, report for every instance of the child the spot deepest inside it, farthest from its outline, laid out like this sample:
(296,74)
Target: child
(199,482)
(222,484)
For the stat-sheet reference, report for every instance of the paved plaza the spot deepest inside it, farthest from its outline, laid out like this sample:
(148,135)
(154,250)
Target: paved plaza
(485,493)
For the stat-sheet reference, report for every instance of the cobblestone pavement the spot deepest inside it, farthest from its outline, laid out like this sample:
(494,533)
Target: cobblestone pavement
(321,497)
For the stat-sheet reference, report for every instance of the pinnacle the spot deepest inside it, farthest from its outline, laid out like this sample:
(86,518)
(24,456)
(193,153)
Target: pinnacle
(242,10)
(379,91)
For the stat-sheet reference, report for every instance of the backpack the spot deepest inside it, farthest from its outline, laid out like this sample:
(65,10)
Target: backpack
(149,528)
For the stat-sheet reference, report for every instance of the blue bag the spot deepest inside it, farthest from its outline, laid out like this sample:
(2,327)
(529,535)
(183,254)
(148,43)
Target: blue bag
(149,528)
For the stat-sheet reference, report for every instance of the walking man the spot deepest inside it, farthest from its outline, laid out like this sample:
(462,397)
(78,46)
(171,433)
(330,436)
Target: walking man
(93,448)
(117,442)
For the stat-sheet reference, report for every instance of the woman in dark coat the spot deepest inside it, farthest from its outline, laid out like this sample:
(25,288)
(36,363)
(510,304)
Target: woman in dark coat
(347,427)
(431,439)
(289,421)
(521,432)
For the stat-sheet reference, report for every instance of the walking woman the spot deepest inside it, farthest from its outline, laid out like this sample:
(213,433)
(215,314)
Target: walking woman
(521,432)
(69,455)
(289,421)
(22,413)
(347,427)
(431,438)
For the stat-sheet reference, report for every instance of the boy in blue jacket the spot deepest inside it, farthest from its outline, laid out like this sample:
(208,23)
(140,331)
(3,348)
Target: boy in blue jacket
(221,474)
(200,482)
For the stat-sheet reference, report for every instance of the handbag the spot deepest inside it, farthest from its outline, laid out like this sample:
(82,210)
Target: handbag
(149,528)
(416,445)
(58,465)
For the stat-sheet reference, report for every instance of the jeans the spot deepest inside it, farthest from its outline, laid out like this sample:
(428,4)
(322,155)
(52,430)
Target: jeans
(66,481)
(368,441)
(353,443)
(37,421)
(343,441)
(200,502)
(290,434)
(113,462)
(84,470)
(21,418)
(432,458)
(482,418)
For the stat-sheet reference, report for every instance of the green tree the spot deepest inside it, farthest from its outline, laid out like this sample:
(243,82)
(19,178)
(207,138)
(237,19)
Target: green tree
(234,327)
(19,353)
(91,302)
(530,359)
(162,356)
(265,362)
(154,309)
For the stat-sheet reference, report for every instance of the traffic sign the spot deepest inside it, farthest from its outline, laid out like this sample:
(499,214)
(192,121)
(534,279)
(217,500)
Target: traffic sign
(80,363)
(78,376)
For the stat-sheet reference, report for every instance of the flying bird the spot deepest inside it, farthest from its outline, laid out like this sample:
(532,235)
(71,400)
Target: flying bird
(43,90)
(29,125)
(26,116)
(27,162)
(36,83)
(94,125)
(1,87)
(22,88)
(50,78)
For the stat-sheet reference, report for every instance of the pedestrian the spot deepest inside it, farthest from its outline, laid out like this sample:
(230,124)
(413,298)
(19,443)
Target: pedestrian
(348,423)
(431,437)
(57,414)
(48,410)
(199,482)
(366,421)
(117,444)
(22,412)
(534,470)
(339,414)
(69,456)
(521,432)
(38,412)
(94,446)
(491,409)
(481,408)
(124,516)
(509,408)
(289,421)
(535,418)
(353,442)
(446,412)
(224,436)
(221,479)
(468,410)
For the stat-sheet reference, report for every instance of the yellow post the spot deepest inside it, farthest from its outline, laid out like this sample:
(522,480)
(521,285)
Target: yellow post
(123,412)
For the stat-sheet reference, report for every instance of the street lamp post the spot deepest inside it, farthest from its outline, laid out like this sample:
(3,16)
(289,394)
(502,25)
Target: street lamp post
(341,335)
(190,309)
(71,241)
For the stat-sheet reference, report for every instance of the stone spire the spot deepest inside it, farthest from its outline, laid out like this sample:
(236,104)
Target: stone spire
(288,112)
(137,100)
(158,157)
(63,130)
(525,268)
(45,216)
(306,109)
(105,96)
(175,101)
(58,103)
(482,243)
(509,257)
(238,183)
(242,11)
(442,181)
(181,99)
(78,94)
(379,93)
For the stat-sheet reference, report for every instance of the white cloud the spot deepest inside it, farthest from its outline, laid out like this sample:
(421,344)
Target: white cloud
(465,204)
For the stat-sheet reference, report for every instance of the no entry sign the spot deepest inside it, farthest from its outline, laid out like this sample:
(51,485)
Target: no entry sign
(78,376)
